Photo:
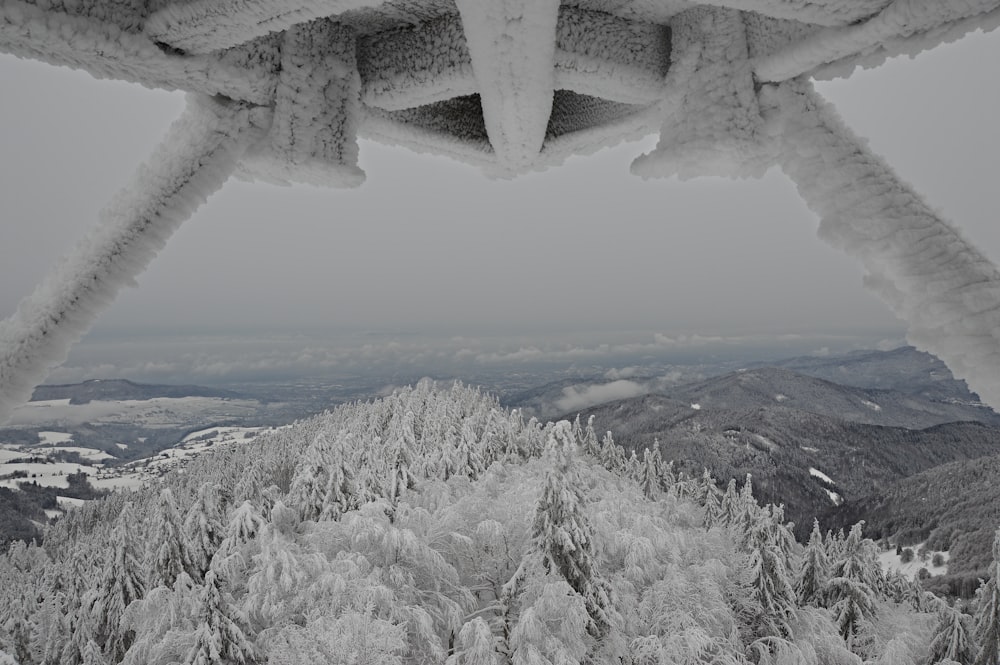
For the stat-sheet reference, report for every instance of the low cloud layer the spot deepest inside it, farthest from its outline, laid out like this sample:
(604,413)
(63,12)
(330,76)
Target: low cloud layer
(575,398)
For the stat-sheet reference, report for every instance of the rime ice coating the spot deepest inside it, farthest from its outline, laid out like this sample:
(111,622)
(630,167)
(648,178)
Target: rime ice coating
(195,158)
(509,86)
(917,263)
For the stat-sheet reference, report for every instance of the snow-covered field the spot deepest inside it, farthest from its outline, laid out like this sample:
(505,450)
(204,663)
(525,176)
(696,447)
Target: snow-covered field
(892,561)
(157,412)
(36,463)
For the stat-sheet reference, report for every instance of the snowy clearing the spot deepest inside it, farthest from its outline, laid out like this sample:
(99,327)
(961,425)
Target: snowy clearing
(47,475)
(53,438)
(892,561)
(816,473)
(834,497)
(89,454)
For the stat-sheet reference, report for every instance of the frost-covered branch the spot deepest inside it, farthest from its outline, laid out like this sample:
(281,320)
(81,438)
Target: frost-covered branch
(195,159)
(821,12)
(910,45)
(610,57)
(106,51)
(899,22)
(204,26)
(421,65)
(512,46)
(919,264)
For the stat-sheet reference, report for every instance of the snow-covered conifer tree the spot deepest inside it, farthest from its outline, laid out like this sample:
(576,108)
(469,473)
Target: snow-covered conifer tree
(767,543)
(121,583)
(562,534)
(204,530)
(244,525)
(988,612)
(953,638)
(341,493)
(669,479)
(399,459)
(612,455)
(469,454)
(813,573)
(730,504)
(553,629)
(169,555)
(590,444)
(91,654)
(633,467)
(310,480)
(476,645)
(218,640)
(851,589)
(49,630)
(650,473)
(250,485)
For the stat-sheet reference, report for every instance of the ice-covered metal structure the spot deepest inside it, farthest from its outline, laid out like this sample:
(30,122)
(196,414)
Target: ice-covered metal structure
(280,90)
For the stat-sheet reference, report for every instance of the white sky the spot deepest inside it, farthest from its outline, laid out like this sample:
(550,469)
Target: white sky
(432,245)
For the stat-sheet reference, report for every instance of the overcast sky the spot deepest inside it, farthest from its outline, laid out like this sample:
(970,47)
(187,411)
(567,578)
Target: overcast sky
(431,245)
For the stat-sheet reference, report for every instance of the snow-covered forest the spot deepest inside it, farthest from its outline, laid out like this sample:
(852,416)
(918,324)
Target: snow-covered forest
(433,526)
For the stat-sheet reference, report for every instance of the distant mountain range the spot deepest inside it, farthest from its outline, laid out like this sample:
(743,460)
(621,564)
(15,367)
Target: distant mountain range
(905,370)
(121,389)
(903,387)
(773,386)
(841,453)
(888,437)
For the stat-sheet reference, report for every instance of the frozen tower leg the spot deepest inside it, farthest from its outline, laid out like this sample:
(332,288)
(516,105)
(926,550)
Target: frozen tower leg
(919,264)
(314,133)
(195,158)
(512,45)
(711,122)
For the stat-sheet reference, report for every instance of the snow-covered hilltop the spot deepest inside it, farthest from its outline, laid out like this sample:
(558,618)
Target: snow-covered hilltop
(431,526)
(281,89)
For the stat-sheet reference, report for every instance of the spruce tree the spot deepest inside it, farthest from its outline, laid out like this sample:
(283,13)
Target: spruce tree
(309,483)
(91,654)
(49,630)
(170,552)
(218,640)
(815,567)
(590,444)
(851,589)
(988,612)
(476,645)
(953,638)
(612,455)
(563,536)
(729,505)
(767,544)
(204,531)
(121,583)
(650,480)
(341,493)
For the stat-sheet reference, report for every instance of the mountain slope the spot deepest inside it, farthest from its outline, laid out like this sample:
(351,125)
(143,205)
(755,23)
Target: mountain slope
(806,461)
(769,386)
(122,389)
(431,527)
(904,369)
(953,507)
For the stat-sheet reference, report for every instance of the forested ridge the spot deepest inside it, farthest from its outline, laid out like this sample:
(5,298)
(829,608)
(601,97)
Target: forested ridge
(432,526)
